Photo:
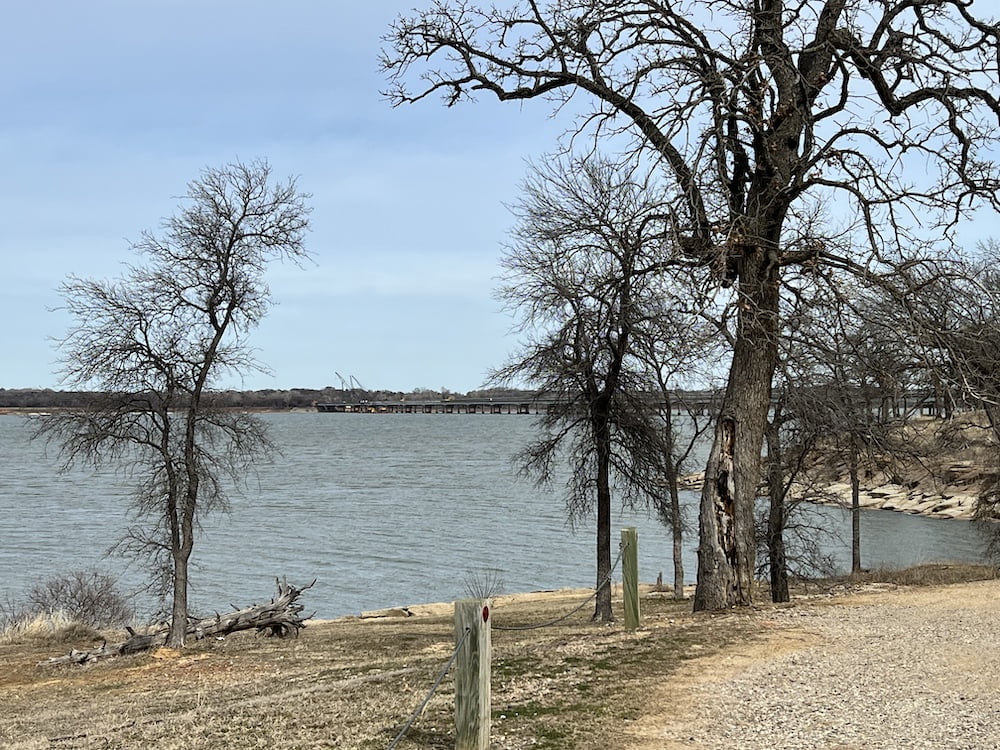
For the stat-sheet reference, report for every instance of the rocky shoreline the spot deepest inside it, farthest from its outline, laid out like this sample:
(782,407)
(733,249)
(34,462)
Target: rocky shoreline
(905,500)
(956,499)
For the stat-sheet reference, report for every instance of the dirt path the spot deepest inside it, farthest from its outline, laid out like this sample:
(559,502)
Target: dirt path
(905,668)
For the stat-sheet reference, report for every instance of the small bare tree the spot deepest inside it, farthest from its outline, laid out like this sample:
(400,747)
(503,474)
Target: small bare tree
(154,342)
(679,348)
(844,362)
(584,274)
(955,318)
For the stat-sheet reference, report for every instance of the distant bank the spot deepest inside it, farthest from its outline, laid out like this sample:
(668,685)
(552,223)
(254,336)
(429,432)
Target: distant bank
(16,400)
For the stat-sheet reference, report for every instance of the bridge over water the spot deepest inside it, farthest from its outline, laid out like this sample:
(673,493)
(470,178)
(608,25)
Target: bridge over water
(527,403)
(699,402)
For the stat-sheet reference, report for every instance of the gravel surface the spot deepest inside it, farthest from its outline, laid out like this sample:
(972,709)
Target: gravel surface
(906,668)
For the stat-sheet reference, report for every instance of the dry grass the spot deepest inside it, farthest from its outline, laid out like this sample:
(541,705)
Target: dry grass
(49,629)
(941,574)
(931,574)
(353,683)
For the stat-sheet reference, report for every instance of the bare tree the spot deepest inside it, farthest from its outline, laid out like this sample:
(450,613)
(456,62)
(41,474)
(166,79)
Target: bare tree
(813,424)
(155,341)
(757,112)
(799,419)
(582,272)
(679,349)
(955,318)
(845,360)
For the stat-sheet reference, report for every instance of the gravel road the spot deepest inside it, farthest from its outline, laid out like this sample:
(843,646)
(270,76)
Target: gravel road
(901,668)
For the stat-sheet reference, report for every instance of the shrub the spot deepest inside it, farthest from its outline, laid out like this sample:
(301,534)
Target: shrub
(86,597)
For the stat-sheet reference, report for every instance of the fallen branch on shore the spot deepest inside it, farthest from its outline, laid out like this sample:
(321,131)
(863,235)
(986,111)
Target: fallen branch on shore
(281,618)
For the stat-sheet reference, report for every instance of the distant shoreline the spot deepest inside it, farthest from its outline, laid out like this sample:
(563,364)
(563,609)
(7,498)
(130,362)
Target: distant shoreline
(45,410)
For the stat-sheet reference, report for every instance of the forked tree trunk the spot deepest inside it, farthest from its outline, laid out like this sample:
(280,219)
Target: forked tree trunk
(181,556)
(179,608)
(726,543)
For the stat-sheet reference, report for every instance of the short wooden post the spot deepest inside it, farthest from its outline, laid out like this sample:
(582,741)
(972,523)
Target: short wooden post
(472,674)
(630,576)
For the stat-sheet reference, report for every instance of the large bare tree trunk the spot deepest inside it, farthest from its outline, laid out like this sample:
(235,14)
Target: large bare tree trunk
(726,547)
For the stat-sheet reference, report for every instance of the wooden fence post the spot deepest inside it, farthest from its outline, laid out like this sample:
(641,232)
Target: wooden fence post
(472,674)
(630,576)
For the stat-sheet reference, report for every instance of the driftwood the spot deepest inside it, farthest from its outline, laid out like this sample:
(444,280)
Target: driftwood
(281,618)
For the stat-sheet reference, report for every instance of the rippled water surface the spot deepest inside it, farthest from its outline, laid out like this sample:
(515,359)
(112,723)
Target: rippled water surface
(382,509)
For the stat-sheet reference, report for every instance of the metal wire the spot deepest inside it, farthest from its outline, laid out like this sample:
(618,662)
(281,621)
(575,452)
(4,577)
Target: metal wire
(430,694)
(454,655)
(581,605)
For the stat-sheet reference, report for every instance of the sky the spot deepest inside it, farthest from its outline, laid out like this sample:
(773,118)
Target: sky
(111,107)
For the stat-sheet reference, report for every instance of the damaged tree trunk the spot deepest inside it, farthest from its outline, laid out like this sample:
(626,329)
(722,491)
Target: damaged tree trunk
(726,546)
(281,617)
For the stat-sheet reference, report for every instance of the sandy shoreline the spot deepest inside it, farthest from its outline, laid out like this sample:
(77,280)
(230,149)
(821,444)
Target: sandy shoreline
(445,609)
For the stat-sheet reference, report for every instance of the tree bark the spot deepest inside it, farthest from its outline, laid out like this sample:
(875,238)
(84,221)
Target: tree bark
(726,547)
(677,532)
(855,512)
(602,610)
(676,525)
(777,562)
(181,555)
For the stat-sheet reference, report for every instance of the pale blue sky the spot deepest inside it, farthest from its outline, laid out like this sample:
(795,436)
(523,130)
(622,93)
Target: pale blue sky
(110,107)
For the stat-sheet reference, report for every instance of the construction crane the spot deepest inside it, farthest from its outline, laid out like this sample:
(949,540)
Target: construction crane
(352,385)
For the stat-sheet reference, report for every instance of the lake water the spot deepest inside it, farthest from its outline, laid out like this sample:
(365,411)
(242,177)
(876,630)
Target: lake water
(382,510)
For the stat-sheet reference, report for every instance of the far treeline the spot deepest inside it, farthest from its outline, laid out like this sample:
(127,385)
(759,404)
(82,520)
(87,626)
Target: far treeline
(267,398)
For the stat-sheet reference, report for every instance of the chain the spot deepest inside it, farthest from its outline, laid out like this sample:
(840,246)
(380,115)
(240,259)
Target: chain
(550,623)
(430,693)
